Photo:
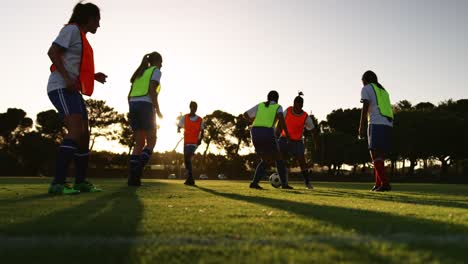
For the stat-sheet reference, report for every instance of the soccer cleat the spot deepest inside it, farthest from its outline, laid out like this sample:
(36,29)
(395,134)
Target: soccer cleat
(131,181)
(286,186)
(255,186)
(309,186)
(189,182)
(374,188)
(384,188)
(86,187)
(65,189)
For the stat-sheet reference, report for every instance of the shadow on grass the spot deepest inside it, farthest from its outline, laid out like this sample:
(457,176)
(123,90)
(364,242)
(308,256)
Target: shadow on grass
(409,188)
(80,233)
(366,222)
(398,197)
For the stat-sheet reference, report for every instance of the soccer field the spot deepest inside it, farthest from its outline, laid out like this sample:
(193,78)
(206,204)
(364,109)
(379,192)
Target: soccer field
(226,222)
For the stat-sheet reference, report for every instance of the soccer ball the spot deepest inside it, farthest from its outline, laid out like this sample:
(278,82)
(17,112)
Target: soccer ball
(275,180)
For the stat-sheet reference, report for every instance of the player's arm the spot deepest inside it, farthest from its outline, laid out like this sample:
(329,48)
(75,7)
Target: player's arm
(246,116)
(282,124)
(154,97)
(363,122)
(202,134)
(56,54)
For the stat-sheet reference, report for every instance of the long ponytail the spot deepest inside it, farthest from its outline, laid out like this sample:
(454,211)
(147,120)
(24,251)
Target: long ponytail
(146,62)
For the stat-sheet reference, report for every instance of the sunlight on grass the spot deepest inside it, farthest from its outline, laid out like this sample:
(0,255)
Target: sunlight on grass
(165,221)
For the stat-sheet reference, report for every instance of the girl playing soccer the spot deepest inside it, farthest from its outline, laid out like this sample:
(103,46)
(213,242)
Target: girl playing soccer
(265,115)
(296,120)
(377,109)
(143,104)
(193,134)
(72,74)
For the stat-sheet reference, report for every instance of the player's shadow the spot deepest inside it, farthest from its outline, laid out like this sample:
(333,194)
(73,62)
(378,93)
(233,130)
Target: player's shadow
(398,197)
(24,199)
(102,227)
(365,222)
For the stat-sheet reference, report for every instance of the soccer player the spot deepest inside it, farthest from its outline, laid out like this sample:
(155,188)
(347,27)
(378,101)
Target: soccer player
(265,115)
(296,120)
(193,135)
(72,74)
(143,104)
(377,109)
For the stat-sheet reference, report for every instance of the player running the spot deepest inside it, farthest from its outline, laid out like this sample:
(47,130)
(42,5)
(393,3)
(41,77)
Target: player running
(265,115)
(143,104)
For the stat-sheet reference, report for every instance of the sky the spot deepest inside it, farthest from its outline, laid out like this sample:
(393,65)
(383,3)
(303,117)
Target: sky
(227,54)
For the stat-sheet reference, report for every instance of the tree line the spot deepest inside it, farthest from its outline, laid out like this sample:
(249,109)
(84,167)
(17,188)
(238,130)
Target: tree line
(432,136)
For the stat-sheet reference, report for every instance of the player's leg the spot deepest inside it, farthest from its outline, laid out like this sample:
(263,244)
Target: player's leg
(136,123)
(379,145)
(82,156)
(189,151)
(263,140)
(66,104)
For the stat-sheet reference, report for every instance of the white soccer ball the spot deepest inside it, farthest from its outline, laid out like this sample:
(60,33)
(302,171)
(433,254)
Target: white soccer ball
(275,180)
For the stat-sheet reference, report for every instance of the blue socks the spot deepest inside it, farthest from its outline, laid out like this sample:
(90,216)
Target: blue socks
(145,156)
(188,166)
(65,155)
(281,168)
(81,165)
(135,166)
(305,174)
(260,172)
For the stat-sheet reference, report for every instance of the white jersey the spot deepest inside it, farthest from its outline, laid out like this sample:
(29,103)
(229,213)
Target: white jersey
(69,39)
(375,118)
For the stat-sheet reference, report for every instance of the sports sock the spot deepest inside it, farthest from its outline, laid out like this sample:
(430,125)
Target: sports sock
(305,174)
(260,172)
(281,168)
(135,166)
(65,155)
(188,167)
(377,180)
(380,169)
(81,165)
(145,156)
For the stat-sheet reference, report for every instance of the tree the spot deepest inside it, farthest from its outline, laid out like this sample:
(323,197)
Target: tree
(218,127)
(103,121)
(36,153)
(402,105)
(345,121)
(241,132)
(126,134)
(12,124)
(50,125)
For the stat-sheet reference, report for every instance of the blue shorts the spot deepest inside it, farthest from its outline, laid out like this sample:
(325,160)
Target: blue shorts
(68,103)
(293,147)
(142,116)
(264,140)
(190,149)
(380,138)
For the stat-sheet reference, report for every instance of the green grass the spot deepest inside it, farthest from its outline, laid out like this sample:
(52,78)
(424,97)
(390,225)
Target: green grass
(226,222)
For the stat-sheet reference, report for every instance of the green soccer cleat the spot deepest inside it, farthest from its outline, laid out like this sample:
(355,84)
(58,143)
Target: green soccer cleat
(86,187)
(65,189)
